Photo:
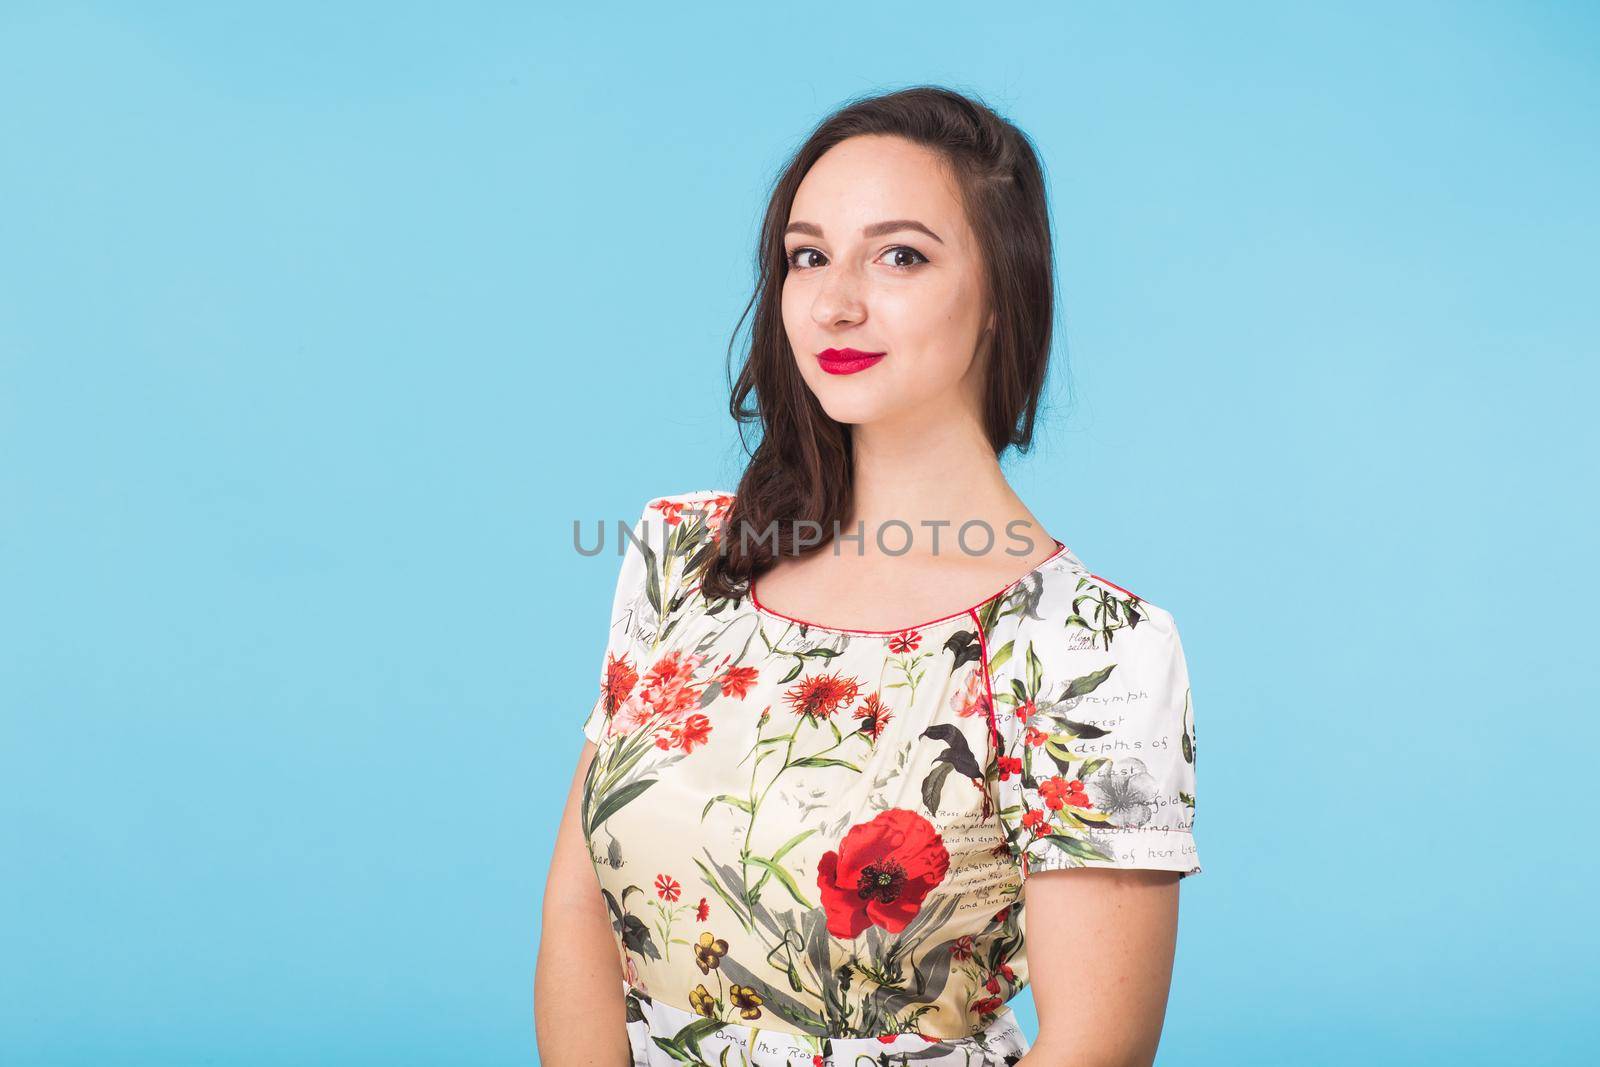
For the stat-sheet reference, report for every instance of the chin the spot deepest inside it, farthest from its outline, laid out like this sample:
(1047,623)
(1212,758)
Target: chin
(861,412)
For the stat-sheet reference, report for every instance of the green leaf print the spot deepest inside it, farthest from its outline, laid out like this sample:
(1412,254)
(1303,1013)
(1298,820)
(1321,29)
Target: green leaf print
(1080,730)
(933,785)
(1077,847)
(728,799)
(783,876)
(616,800)
(793,841)
(964,647)
(1088,683)
(1035,671)
(1188,733)
(824,761)
(1058,753)
(684,1046)
(1109,611)
(734,889)
(652,583)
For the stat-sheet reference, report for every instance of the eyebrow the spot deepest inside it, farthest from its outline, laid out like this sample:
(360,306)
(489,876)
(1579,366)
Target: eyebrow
(877,229)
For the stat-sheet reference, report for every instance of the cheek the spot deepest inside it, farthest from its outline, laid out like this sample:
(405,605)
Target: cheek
(931,333)
(933,367)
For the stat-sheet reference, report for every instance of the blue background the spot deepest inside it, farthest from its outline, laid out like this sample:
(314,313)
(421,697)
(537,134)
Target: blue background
(321,324)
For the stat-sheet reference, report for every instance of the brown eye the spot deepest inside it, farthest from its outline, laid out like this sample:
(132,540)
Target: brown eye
(897,249)
(794,256)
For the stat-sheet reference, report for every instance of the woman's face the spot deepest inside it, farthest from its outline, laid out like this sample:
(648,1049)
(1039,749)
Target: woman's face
(882,260)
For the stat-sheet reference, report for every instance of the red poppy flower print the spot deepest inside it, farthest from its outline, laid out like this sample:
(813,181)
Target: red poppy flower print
(881,873)
(820,695)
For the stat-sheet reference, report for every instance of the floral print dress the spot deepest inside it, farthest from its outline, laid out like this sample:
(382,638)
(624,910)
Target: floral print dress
(811,841)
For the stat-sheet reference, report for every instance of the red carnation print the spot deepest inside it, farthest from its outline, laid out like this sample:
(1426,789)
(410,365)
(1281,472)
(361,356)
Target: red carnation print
(619,681)
(971,696)
(881,873)
(712,511)
(672,509)
(691,732)
(1058,793)
(668,888)
(720,505)
(904,642)
(1009,765)
(874,714)
(820,695)
(667,685)
(738,680)
(987,1005)
(702,912)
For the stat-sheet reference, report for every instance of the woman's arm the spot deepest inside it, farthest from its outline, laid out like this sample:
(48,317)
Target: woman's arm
(1100,948)
(579,1016)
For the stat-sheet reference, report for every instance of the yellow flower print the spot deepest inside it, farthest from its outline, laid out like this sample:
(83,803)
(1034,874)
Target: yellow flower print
(747,1000)
(709,951)
(702,1001)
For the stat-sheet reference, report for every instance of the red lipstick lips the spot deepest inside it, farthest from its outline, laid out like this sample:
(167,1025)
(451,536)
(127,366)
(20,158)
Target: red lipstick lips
(847,360)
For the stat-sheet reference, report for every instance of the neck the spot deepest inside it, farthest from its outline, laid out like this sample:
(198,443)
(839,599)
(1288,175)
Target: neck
(936,472)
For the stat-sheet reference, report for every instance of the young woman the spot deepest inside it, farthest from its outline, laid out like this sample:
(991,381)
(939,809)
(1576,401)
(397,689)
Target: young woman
(845,795)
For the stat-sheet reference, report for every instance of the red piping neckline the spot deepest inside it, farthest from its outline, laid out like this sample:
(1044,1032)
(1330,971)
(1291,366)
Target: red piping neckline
(1117,587)
(1061,549)
(988,686)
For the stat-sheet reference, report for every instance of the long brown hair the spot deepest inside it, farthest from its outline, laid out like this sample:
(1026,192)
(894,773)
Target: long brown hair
(801,469)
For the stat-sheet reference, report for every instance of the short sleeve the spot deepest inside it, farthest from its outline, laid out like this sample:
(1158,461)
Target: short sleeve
(619,669)
(1094,733)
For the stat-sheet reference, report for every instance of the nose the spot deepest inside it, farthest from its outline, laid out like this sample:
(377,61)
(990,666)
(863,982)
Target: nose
(839,298)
